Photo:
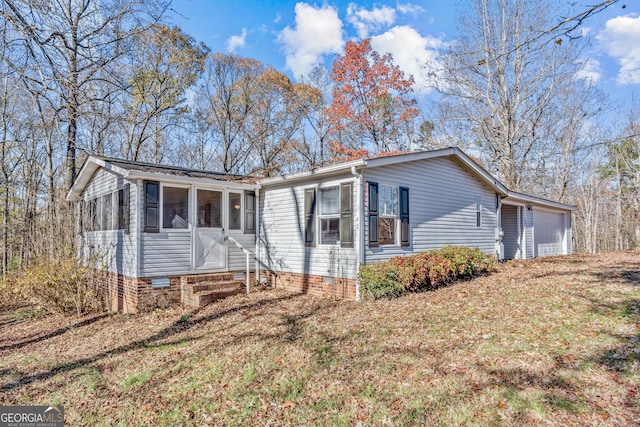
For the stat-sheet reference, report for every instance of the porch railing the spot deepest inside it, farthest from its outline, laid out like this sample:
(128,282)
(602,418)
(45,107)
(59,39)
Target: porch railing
(247,254)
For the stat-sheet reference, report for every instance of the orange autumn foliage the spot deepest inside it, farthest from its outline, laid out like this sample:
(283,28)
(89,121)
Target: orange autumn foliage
(370,98)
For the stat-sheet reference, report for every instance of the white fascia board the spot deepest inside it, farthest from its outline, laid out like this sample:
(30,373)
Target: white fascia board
(519,198)
(409,157)
(91,165)
(179,179)
(316,173)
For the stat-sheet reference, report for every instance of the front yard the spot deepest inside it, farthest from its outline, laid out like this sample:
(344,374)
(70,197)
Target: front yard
(551,341)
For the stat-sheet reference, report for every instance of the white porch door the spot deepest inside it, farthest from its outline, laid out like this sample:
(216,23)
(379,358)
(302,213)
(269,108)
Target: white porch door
(209,247)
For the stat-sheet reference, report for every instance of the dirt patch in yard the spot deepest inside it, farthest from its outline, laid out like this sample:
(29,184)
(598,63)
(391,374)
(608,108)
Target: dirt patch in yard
(550,341)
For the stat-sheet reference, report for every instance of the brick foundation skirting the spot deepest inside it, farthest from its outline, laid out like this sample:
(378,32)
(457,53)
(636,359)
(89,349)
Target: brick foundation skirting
(131,295)
(334,287)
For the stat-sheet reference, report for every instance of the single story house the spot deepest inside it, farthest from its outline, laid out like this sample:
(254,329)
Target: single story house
(168,234)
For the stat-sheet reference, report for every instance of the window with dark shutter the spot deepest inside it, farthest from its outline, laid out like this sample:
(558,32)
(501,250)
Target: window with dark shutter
(373,214)
(346,215)
(151,202)
(404,217)
(124,209)
(309,217)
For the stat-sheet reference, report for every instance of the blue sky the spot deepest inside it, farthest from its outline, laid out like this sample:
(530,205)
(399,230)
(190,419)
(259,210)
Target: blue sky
(294,36)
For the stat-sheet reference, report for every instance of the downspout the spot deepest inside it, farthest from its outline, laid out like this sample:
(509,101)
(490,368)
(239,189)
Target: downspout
(498,246)
(360,228)
(139,227)
(257,201)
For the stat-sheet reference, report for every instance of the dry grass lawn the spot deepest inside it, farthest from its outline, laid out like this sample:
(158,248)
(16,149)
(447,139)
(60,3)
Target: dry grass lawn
(554,341)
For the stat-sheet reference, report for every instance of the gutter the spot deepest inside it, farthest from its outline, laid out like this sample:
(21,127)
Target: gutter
(360,248)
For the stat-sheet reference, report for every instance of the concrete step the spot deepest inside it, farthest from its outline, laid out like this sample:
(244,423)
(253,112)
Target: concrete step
(207,297)
(207,278)
(200,294)
(211,286)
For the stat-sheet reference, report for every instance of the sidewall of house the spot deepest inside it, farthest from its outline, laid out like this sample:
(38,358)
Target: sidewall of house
(282,241)
(170,252)
(114,250)
(442,207)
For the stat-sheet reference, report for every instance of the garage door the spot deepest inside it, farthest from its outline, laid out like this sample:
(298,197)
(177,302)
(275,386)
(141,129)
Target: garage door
(548,233)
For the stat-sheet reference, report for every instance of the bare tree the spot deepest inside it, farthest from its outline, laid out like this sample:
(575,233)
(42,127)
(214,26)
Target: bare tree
(279,107)
(164,63)
(224,105)
(503,86)
(74,44)
(315,132)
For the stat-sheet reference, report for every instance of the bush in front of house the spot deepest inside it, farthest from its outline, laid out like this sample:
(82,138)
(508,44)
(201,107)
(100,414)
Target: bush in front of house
(58,285)
(423,271)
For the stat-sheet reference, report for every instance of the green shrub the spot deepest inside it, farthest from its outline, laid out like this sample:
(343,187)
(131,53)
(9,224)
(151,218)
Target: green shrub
(60,285)
(382,281)
(423,271)
(465,261)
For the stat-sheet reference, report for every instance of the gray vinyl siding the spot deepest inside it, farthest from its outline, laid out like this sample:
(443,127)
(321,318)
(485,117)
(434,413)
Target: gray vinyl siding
(282,233)
(167,253)
(235,256)
(528,232)
(117,250)
(442,207)
(170,252)
(509,222)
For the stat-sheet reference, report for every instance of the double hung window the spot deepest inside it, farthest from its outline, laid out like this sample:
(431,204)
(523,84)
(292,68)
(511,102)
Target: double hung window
(388,210)
(333,217)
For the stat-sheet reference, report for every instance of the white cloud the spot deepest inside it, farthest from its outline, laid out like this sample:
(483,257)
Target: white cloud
(591,70)
(410,51)
(366,21)
(317,32)
(410,9)
(235,42)
(621,40)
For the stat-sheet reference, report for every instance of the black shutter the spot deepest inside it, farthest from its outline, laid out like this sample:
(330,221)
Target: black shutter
(151,202)
(126,208)
(309,217)
(373,214)
(346,215)
(404,217)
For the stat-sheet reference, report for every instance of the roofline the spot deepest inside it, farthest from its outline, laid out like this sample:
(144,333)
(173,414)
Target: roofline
(89,167)
(454,152)
(168,177)
(323,171)
(93,163)
(366,163)
(512,196)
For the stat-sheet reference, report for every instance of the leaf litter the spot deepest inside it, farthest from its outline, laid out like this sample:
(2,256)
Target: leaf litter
(549,341)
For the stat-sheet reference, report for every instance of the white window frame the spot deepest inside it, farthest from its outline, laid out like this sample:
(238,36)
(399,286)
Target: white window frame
(395,216)
(478,212)
(190,198)
(194,204)
(228,208)
(320,216)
